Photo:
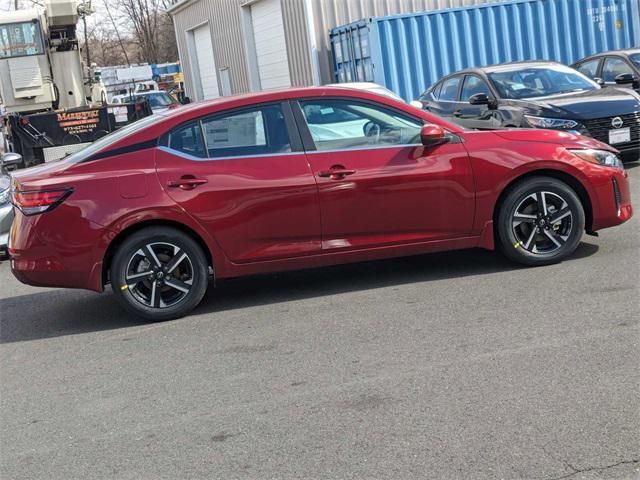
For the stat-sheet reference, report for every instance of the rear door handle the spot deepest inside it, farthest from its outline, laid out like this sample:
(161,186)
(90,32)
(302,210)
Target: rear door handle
(336,172)
(187,182)
(457,113)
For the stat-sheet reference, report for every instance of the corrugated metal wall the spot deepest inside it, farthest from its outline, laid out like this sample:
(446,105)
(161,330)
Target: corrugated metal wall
(331,13)
(407,53)
(226,34)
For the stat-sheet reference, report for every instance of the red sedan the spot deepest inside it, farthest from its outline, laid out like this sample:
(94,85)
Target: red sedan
(295,179)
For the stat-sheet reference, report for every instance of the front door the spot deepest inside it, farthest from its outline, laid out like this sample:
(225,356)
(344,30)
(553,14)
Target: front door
(243,175)
(378,185)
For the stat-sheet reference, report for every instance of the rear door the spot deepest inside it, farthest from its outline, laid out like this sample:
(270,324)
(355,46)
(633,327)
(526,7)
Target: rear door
(378,185)
(243,175)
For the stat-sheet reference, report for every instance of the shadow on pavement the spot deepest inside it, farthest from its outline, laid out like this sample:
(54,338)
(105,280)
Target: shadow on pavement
(55,313)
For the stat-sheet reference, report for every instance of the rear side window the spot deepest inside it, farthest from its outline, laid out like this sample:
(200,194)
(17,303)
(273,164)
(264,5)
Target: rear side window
(258,131)
(188,139)
(590,68)
(449,90)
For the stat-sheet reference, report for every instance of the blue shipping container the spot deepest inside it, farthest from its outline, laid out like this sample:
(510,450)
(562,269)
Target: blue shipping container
(408,53)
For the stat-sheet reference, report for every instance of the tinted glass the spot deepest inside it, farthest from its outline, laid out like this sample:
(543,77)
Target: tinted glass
(533,82)
(635,58)
(613,67)
(590,68)
(343,124)
(472,86)
(158,99)
(449,90)
(258,131)
(20,39)
(188,139)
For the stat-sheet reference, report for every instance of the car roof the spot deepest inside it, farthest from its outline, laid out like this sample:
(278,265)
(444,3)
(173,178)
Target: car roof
(506,66)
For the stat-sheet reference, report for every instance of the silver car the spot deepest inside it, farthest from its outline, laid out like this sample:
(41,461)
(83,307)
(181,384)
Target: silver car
(6,208)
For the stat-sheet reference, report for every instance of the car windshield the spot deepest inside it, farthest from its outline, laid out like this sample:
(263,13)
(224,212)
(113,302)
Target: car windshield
(158,100)
(635,58)
(533,82)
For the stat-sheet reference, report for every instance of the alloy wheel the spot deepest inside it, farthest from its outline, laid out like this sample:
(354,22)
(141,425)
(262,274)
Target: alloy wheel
(159,275)
(542,223)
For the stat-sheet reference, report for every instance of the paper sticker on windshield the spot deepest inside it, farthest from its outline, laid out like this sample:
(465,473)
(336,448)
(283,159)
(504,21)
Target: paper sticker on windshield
(518,86)
(326,111)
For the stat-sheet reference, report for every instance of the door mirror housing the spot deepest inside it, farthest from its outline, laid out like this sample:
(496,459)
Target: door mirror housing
(432,135)
(483,99)
(625,78)
(10,160)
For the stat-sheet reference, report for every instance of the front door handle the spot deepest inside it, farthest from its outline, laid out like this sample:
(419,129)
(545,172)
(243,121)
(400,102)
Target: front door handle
(457,113)
(337,172)
(186,182)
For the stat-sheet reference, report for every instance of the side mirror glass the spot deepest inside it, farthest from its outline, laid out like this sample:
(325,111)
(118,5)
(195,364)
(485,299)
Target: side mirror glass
(625,78)
(432,135)
(416,103)
(11,159)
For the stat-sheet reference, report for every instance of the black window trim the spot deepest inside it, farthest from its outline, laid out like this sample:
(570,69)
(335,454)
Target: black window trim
(305,133)
(295,141)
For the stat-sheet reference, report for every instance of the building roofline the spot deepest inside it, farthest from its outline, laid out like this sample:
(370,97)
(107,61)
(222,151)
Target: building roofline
(179,5)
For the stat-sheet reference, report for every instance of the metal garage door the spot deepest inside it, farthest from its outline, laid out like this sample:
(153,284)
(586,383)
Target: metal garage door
(206,70)
(271,48)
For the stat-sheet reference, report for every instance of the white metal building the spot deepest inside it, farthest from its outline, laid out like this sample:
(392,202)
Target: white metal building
(235,46)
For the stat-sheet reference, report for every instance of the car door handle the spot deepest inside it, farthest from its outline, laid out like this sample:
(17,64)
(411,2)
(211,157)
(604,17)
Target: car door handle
(187,182)
(336,172)
(457,113)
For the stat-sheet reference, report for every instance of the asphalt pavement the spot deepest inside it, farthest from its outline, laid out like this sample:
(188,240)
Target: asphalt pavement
(445,366)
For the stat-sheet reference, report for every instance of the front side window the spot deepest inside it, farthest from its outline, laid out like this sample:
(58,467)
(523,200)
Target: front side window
(20,39)
(188,139)
(449,90)
(259,131)
(472,86)
(613,67)
(590,68)
(635,58)
(522,82)
(347,124)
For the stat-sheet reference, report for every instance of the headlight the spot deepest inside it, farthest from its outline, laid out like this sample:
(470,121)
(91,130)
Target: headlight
(542,122)
(600,157)
(5,196)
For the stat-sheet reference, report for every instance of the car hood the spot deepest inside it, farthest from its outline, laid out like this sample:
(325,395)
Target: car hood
(552,136)
(605,102)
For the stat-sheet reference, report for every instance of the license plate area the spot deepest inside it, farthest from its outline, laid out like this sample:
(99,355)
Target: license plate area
(619,135)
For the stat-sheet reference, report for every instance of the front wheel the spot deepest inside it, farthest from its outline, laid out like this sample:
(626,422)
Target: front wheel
(159,273)
(540,222)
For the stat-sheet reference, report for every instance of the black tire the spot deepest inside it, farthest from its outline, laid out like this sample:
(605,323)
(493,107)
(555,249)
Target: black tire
(528,234)
(166,287)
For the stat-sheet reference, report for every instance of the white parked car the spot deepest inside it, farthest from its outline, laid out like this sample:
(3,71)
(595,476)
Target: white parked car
(159,100)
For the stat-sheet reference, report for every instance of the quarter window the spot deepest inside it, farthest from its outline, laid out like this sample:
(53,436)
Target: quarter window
(188,139)
(345,124)
(614,67)
(472,86)
(449,91)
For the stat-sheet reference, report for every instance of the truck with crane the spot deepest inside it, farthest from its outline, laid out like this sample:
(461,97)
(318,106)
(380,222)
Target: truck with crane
(54,104)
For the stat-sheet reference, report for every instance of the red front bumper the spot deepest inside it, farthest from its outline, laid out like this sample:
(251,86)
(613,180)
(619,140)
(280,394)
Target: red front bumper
(611,198)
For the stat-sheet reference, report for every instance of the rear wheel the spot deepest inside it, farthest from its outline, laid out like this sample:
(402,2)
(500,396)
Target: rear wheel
(540,222)
(159,273)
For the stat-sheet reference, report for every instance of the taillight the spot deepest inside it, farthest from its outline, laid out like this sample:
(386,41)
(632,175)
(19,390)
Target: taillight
(34,202)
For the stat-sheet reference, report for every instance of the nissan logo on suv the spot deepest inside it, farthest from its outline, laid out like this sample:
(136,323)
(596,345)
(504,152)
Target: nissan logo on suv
(616,122)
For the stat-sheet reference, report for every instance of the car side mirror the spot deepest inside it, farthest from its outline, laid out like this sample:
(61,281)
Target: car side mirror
(599,81)
(416,103)
(625,78)
(10,159)
(186,100)
(432,135)
(483,99)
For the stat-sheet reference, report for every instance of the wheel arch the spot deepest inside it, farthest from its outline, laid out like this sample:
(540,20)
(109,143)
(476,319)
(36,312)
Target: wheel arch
(131,229)
(575,184)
